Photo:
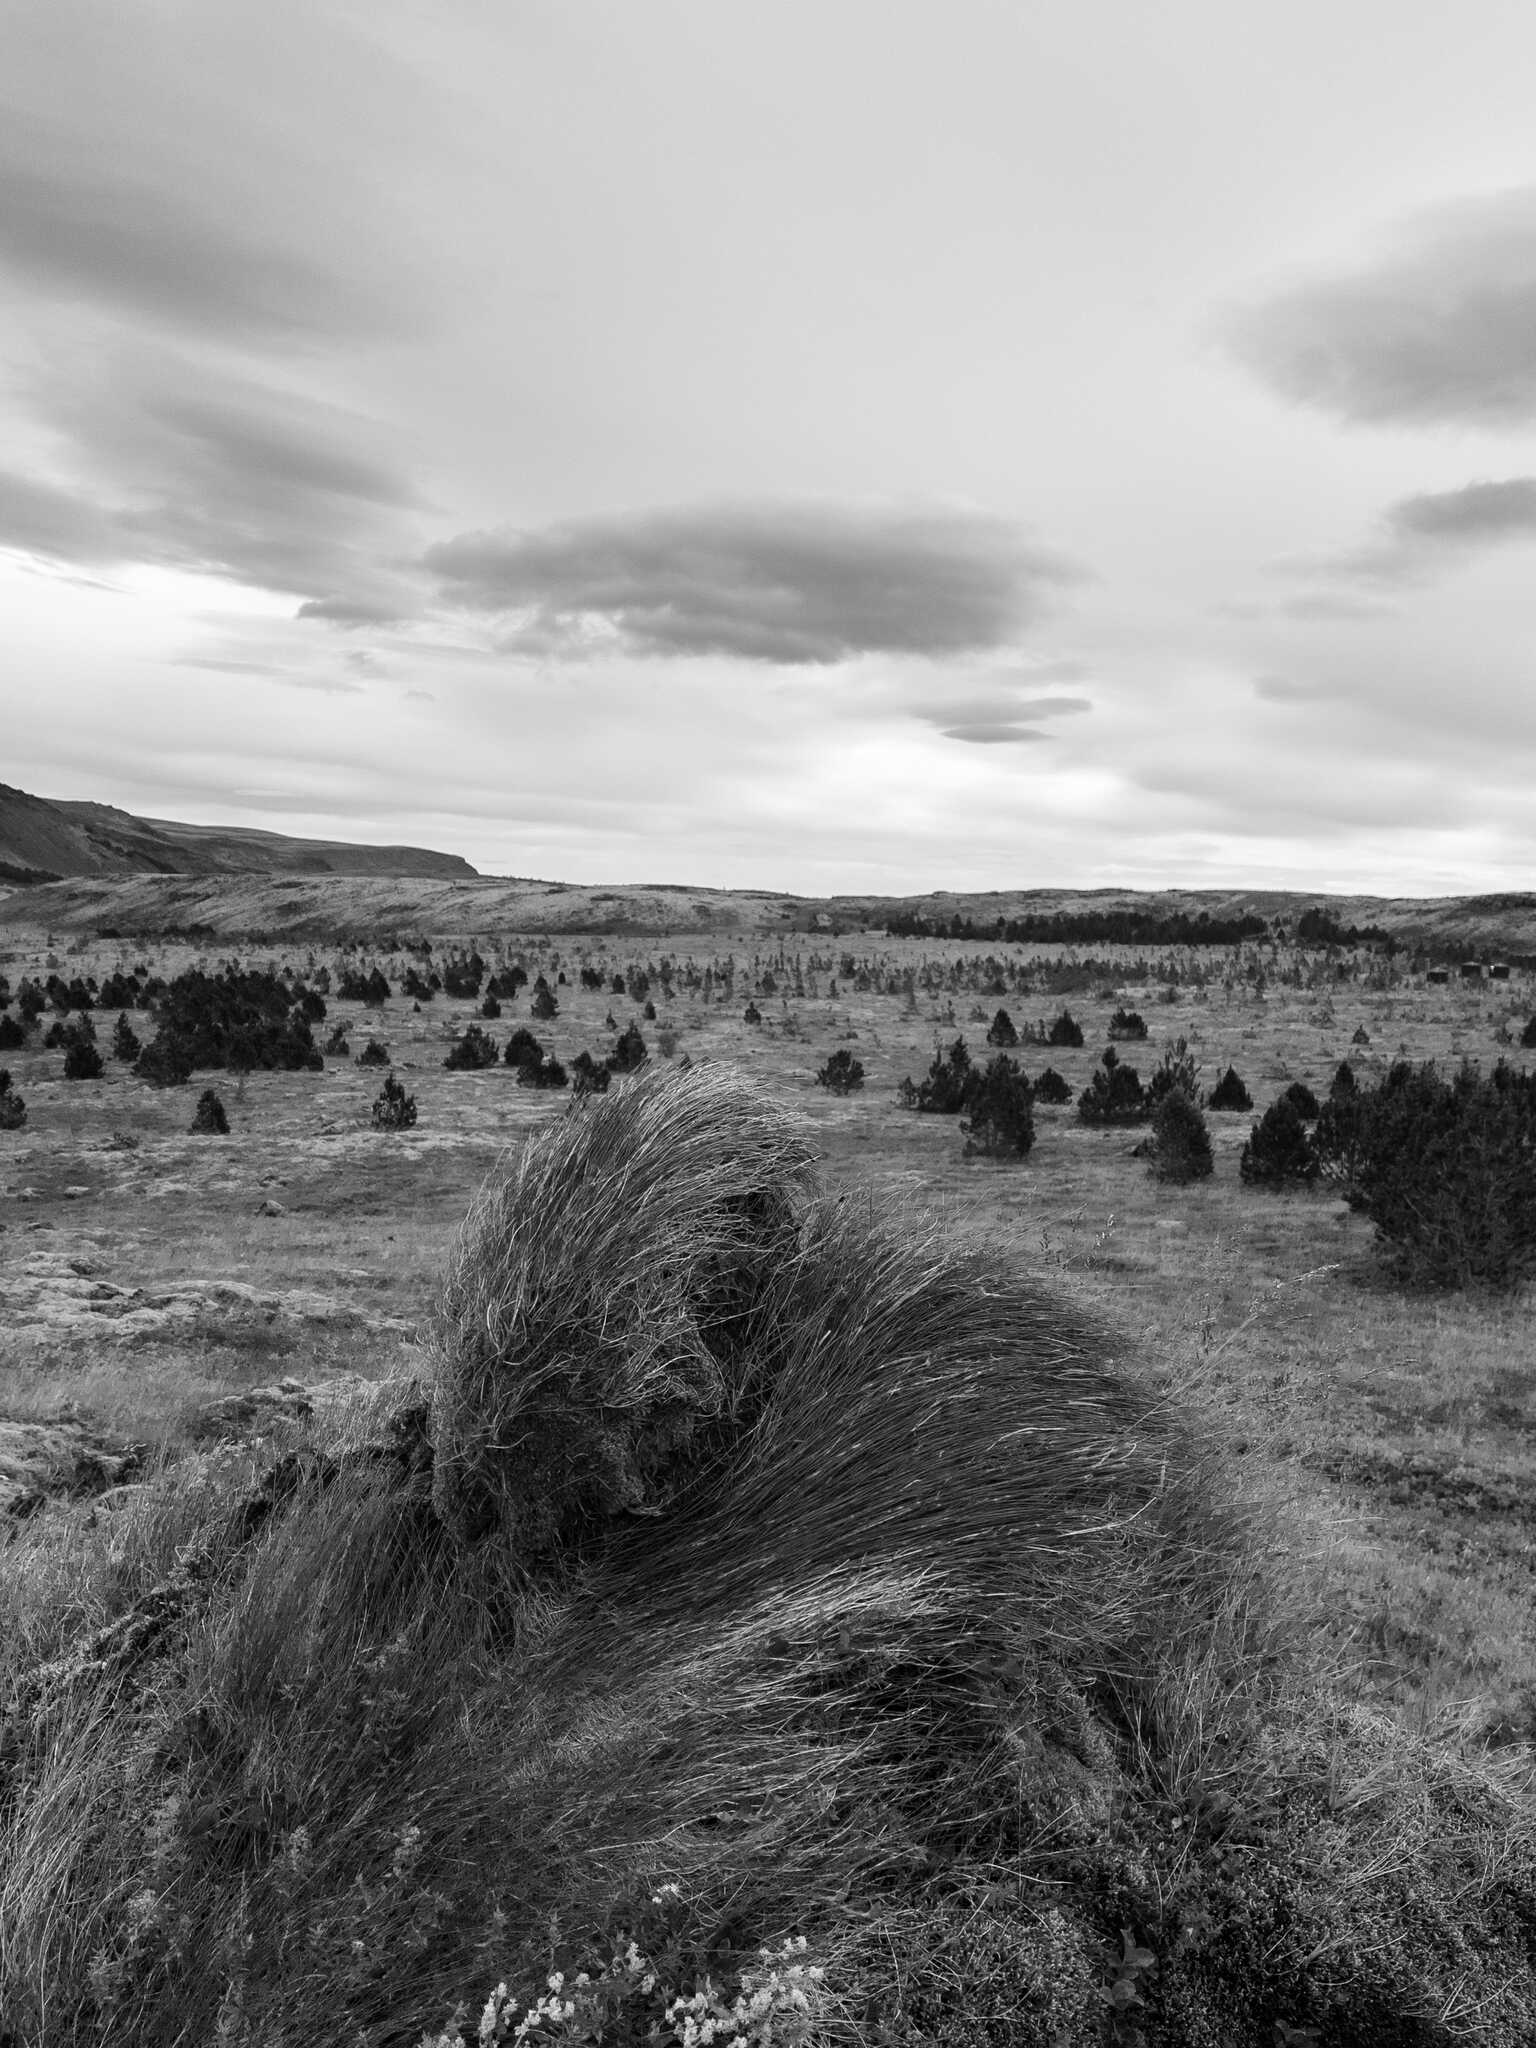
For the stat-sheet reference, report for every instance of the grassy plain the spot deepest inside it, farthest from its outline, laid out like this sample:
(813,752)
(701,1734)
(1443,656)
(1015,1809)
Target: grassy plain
(147,1271)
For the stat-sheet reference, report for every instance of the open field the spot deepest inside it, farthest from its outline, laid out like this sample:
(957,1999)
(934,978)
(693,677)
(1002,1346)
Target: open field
(145,1272)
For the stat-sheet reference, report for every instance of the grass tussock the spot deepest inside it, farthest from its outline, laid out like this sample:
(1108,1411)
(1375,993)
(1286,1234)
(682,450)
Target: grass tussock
(757,1573)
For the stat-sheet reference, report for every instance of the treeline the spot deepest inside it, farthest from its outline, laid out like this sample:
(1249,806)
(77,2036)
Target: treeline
(1086,928)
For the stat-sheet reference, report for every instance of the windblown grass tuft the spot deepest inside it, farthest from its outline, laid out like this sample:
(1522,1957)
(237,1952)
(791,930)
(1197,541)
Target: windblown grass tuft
(757,1574)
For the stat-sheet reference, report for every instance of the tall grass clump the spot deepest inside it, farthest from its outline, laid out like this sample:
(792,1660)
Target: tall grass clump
(756,1583)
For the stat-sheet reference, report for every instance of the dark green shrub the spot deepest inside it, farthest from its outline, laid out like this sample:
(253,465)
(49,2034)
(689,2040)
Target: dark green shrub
(1306,1102)
(1127,1024)
(374,1054)
(842,1073)
(649,1012)
(13,1034)
(1181,1144)
(1230,1093)
(1065,1030)
(1528,1036)
(82,1062)
(1278,1153)
(1002,1031)
(1177,1069)
(1361,1036)
(751,1014)
(1053,1087)
(1343,1082)
(337,1045)
(523,1049)
(629,1051)
(1338,1138)
(240,1019)
(393,1109)
(13,1110)
(942,1091)
(543,1073)
(125,1040)
(1447,1173)
(588,1077)
(999,1122)
(490,1009)
(1114,1094)
(166,1062)
(476,1049)
(545,1005)
(209,1118)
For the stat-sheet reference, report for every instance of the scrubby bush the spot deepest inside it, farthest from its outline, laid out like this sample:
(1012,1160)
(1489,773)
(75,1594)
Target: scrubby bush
(1528,1036)
(942,1091)
(166,1062)
(1053,1088)
(588,1076)
(842,1073)
(1446,1170)
(239,1019)
(415,985)
(1002,1032)
(338,1045)
(13,1109)
(1278,1153)
(751,1014)
(1181,1143)
(82,1061)
(1306,1102)
(393,1109)
(1230,1092)
(1360,1036)
(125,1040)
(545,1005)
(1176,1070)
(542,1073)
(209,1118)
(13,1034)
(1114,1094)
(1064,1030)
(1343,1082)
(999,1120)
(523,1048)
(374,1054)
(356,987)
(476,1049)
(649,1012)
(490,1009)
(1127,1024)
(629,1051)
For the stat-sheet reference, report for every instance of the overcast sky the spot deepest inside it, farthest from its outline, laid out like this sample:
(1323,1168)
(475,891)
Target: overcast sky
(807,444)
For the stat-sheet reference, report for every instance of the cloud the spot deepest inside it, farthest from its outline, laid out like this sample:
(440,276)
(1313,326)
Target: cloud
(350,611)
(787,583)
(95,234)
(163,461)
(1424,536)
(996,718)
(1477,515)
(1439,328)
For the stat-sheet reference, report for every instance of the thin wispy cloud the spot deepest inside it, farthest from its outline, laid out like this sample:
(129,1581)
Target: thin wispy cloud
(1429,535)
(1437,327)
(788,584)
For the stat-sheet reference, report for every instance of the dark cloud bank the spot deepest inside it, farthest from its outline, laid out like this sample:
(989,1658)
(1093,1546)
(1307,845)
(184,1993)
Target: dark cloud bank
(785,584)
(1440,328)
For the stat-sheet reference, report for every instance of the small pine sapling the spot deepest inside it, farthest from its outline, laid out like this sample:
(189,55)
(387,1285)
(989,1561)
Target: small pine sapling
(1181,1144)
(1230,1092)
(1279,1153)
(842,1073)
(393,1110)
(209,1119)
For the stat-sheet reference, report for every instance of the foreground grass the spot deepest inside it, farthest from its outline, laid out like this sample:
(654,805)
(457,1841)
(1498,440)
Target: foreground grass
(754,1542)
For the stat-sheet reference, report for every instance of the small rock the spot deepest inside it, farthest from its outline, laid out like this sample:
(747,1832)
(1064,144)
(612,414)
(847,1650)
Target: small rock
(271,1208)
(1172,1225)
(74,1192)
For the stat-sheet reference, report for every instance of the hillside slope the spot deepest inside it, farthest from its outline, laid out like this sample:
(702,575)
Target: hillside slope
(43,840)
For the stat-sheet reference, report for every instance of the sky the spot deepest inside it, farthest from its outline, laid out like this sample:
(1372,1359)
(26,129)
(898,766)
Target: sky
(822,445)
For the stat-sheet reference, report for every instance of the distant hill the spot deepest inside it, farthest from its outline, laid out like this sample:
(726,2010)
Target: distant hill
(44,840)
(370,907)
